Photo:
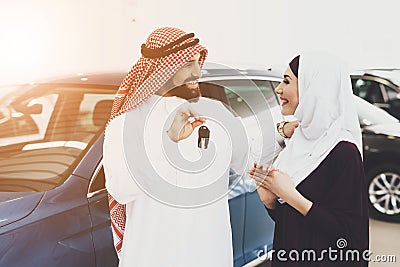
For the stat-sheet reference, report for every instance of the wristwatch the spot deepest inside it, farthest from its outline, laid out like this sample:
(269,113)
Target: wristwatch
(279,127)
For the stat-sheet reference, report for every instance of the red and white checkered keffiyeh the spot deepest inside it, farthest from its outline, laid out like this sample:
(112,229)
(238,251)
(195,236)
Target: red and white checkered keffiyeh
(163,55)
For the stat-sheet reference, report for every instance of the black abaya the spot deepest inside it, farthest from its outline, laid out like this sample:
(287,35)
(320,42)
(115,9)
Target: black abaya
(335,230)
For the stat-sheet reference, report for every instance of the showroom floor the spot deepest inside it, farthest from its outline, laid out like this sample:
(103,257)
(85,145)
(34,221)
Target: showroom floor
(384,240)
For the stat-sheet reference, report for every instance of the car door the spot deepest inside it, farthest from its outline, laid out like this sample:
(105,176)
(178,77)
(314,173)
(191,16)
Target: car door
(393,100)
(91,106)
(237,196)
(252,229)
(369,90)
(259,227)
(95,108)
(237,209)
(100,216)
(57,232)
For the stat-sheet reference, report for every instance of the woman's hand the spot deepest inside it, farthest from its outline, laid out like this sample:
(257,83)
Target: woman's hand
(181,127)
(289,127)
(266,196)
(280,184)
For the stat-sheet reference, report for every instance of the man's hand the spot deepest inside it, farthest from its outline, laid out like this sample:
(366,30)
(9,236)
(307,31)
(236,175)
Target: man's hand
(289,127)
(181,127)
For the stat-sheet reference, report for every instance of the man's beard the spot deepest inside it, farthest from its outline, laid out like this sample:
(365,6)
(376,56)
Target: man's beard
(184,92)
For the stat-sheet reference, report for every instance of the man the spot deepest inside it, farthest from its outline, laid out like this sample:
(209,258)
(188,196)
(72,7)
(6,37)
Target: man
(168,186)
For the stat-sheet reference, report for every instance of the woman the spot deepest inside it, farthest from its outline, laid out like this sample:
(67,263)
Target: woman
(316,190)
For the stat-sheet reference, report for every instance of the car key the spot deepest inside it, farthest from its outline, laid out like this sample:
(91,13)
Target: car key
(204,136)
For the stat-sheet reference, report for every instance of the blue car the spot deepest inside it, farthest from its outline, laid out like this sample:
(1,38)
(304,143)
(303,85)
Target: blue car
(53,201)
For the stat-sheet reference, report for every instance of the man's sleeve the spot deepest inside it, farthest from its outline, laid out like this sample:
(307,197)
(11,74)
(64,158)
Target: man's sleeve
(247,148)
(119,181)
(240,160)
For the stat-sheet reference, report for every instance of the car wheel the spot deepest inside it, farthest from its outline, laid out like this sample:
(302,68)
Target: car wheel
(384,193)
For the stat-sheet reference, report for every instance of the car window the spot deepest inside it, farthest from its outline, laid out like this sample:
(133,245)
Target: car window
(98,181)
(239,91)
(392,94)
(275,83)
(94,111)
(65,120)
(23,122)
(246,98)
(369,114)
(368,90)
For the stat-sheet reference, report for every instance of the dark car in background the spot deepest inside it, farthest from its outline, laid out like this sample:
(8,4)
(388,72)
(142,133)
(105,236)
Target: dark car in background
(53,201)
(381,141)
(380,87)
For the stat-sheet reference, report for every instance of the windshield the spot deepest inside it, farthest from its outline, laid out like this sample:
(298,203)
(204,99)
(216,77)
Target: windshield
(369,114)
(45,131)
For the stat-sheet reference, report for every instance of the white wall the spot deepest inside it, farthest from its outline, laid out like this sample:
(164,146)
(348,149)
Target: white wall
(46,37)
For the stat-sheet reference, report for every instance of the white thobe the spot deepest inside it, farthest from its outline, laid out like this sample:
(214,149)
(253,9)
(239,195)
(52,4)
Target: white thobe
(173,230)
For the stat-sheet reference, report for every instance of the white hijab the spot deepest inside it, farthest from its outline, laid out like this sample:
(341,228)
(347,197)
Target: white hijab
(326,114)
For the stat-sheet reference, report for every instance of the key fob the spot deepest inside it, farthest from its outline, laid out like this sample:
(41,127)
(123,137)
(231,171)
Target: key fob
(204,136)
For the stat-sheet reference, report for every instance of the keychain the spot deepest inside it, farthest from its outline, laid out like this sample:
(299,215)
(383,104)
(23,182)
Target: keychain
(204,136)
